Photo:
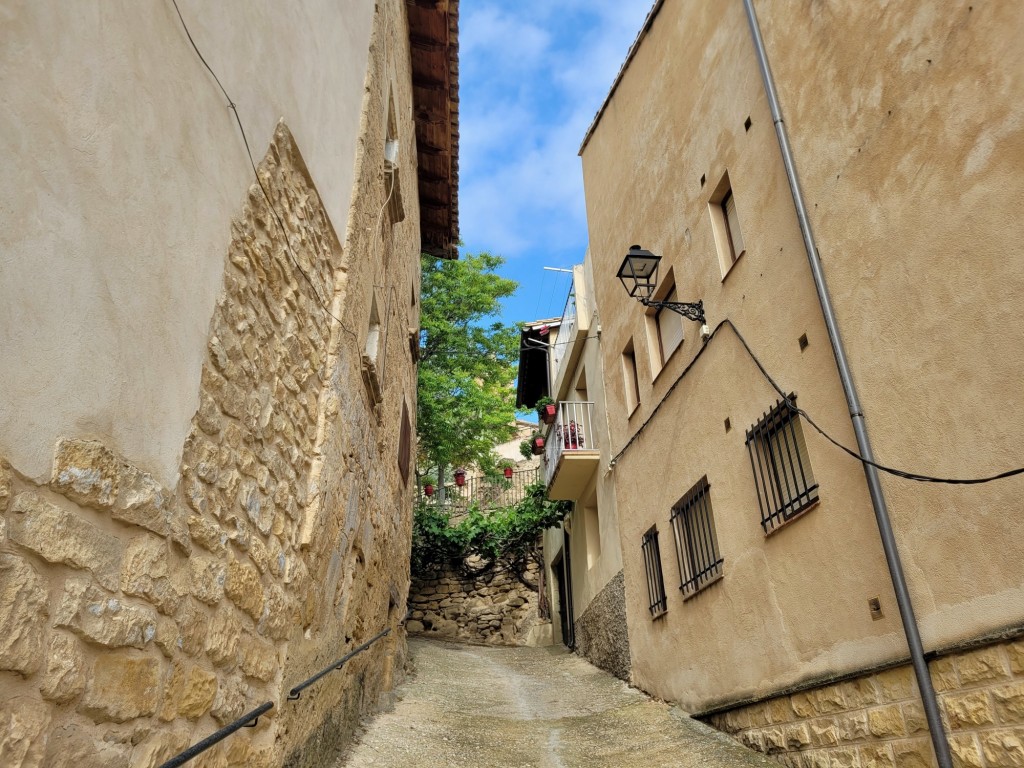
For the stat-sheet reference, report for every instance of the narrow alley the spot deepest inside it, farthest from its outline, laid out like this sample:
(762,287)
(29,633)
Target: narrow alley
(467,705)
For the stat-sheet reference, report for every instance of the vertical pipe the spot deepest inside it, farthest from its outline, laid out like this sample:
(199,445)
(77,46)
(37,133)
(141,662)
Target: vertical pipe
(892,555)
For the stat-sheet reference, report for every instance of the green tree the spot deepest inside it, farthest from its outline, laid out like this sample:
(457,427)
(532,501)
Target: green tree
(468,363)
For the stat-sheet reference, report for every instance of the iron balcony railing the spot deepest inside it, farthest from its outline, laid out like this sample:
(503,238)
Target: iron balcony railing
(572,430)
(486,492)
(566,331)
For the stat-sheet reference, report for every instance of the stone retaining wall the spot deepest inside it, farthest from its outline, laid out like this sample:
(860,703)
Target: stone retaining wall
(877,721)
(496,609)
(601,636)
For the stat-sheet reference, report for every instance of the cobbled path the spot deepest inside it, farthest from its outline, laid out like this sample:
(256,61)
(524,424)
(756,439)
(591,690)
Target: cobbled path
(532,708)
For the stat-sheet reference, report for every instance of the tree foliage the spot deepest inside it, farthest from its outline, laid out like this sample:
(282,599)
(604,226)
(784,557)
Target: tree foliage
(481,541)
(468,362)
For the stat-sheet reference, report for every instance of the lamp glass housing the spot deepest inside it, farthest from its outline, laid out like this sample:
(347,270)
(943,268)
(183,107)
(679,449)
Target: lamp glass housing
(639,272)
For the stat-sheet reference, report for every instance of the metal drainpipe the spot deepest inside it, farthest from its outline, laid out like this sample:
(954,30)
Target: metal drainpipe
(892,555)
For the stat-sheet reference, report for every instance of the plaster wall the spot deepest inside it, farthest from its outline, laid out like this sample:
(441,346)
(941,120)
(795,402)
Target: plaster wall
(911,155)
(123,167)
(910,150)
(592,566)
(793,605)
(139,617)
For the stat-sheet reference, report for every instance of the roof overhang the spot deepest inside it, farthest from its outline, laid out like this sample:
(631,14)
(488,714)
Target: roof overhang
(434,42)
(532,380)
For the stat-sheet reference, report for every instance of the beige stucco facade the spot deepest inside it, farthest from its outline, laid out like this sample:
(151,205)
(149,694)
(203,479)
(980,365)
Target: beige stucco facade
(208,382)
(591,595)
(908,133)
(123,166)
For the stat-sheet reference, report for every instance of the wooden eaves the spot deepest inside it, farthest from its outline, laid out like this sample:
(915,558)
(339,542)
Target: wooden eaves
(434,40)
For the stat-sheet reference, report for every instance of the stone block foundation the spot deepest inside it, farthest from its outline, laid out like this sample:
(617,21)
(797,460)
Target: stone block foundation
(877,720)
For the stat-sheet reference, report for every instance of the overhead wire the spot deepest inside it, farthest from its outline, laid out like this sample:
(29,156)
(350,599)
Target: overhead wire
(788,401)
(248,150)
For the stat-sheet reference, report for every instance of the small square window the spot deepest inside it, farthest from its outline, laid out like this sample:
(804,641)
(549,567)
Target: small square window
(693,525)
(658,602)
(781,466)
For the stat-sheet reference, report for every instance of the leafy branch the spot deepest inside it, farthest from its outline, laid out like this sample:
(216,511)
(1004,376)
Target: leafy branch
(482,542)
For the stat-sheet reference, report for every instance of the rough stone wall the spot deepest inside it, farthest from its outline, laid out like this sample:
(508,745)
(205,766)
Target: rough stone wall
(877,720)
(136,619)
(601,636)
(496,609)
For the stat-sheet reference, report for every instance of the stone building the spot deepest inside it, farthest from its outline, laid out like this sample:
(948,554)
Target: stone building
(907,128)
(207,386)
(582,558)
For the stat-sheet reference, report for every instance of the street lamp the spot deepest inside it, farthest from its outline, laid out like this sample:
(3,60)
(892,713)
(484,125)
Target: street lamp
(639,276)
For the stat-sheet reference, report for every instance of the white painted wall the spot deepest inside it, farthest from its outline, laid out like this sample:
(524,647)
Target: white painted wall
(123,168)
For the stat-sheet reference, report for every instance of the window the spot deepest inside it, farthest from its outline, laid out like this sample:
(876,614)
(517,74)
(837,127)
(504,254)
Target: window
(630,380)
(725,222)
(781,466)
(693,524)
(592,522)
(372,358)
(405,444)
(658,603)
(669,327)
(732,226)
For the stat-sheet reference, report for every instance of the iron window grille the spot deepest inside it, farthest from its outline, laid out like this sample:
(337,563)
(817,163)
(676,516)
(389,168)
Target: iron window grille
(781,466)
(658,602)
(693,524)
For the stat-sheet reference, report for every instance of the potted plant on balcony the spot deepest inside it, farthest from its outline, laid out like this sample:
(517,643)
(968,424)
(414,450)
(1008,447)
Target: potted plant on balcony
(546,410)
(507,466)
(534,446)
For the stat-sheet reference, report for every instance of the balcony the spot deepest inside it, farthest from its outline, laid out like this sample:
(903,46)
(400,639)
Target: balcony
(571,455)
(572,334)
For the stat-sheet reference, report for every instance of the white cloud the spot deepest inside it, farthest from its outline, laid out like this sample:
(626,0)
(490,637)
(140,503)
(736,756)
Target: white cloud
(533,75)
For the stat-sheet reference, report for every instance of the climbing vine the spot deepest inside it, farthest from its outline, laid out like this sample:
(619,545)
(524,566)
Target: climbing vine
(483,541)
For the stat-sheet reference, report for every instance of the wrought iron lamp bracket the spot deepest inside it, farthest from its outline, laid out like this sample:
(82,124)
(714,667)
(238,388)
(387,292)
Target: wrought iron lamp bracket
(690,310)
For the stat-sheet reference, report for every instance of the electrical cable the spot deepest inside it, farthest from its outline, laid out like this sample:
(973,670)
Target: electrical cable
(245,140)
(534,344)
(917,476)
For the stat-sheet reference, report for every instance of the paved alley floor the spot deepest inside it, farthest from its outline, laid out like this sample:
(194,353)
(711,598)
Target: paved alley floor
(532,707)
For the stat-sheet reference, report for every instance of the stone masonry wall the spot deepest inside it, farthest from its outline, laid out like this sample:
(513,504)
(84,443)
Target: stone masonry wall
(877,721)
(601,635)
(496,609)
(136,619)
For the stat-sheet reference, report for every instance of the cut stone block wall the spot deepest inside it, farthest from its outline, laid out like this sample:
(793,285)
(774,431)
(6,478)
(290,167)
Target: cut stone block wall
(601,636)
(136,619)
(877,720)
(496,608)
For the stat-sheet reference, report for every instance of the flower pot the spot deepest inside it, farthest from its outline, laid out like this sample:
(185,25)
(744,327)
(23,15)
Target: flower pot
(547,413)
(460,477)
(537,446)
(508,473)
(428,489)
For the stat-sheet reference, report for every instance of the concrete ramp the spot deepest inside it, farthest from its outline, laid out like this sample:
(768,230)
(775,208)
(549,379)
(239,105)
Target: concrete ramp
(532,708)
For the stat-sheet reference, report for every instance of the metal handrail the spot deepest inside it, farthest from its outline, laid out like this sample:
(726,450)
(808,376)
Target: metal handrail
(250,719)
(247,720)
(296,692)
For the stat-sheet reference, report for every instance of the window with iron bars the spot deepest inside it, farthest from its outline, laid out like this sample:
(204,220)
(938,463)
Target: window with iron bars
(781,466)
(658,602)
(693,524)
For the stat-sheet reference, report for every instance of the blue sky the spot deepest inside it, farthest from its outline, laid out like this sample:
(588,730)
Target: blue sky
(532,76)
